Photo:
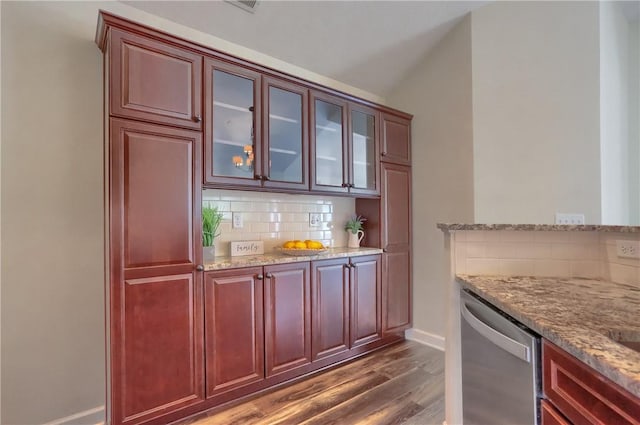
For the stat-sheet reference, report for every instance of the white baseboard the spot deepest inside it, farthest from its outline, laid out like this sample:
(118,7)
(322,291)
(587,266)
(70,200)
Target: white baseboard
(426,338)
(93,416)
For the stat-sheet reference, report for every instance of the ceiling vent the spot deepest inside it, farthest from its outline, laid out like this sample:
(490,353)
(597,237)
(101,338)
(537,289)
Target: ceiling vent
(247,5)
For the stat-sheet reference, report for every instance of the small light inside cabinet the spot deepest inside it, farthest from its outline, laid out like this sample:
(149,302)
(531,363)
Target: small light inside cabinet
(237,161)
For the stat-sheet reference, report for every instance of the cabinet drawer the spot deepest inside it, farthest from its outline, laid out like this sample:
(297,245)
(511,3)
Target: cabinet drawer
(583,395)
(550,415)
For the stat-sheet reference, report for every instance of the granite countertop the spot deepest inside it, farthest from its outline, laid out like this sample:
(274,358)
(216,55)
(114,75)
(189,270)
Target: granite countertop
(575,314)
(447,227)
(221,263)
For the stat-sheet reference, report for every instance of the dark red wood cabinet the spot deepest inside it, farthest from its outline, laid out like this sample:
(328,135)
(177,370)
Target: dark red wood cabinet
(396,242)
(153,81)
(396,139)
(287,317)
(234,329)
(180,117)
(155,293)
(331,308)
(583,395)
(365,300)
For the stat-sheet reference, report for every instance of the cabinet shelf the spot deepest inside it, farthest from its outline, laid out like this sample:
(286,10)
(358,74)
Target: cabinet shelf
(284,151)
(326,158)
(283,119)
(233,107)
(231,142)
(326,128)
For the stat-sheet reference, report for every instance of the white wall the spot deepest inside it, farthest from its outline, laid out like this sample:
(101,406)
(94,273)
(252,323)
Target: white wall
(617,161)
(634,118)
(53,362)
(536,111)
(438,94)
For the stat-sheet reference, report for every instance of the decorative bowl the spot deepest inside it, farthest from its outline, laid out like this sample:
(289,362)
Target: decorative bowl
(302,252)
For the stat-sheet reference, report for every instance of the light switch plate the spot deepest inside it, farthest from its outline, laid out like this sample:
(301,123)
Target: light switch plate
(238,223)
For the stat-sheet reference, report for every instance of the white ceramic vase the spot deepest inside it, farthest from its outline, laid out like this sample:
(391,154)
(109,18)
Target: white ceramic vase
(354,239)
(209,252)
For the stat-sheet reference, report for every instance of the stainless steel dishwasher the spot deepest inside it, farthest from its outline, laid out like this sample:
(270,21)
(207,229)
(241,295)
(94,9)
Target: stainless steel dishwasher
(500,373)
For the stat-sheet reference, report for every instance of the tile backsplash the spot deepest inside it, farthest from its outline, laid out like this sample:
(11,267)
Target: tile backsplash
(276,217)
(545,253)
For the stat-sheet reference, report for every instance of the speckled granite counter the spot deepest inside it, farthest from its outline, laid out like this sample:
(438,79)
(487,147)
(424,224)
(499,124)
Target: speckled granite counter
(222,263)
(447,227)
(575,314)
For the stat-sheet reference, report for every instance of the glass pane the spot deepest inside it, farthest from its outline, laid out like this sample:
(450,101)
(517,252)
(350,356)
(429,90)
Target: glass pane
(363,137)
(285,135)
(328,144)
(232,125)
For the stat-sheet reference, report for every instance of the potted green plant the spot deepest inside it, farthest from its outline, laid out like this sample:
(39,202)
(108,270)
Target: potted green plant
(211,219)
(354,228)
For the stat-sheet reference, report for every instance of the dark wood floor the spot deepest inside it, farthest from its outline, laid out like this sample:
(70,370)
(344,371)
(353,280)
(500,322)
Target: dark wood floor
(401,384)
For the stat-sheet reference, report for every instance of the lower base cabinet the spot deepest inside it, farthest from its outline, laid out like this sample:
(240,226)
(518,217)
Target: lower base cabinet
(287,317)
(550,416)
(234,329)
(581,394)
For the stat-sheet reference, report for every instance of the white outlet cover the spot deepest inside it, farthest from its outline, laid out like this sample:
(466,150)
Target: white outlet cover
(315,219)
(569,218)
(628,249)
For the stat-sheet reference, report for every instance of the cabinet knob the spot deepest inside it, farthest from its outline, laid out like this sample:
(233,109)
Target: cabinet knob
(383,154)
(257,177)
(384,250)
(266,178)
(259,277)
(197,118)
(269,275)
(352,185)
(345,184)
(200,268)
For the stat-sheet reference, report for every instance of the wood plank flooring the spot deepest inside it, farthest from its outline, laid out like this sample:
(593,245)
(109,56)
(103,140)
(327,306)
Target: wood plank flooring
(400,384)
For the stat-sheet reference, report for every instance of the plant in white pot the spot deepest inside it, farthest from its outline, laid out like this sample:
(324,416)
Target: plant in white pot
(211,219)
(354,229)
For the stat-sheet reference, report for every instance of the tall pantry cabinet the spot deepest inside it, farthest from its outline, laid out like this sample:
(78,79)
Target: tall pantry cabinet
(180,117)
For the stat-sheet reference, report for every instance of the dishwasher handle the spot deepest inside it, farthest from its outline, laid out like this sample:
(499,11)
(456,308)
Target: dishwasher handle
(509,345)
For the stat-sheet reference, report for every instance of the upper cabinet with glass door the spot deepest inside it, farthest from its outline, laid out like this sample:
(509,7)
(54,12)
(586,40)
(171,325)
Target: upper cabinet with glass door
(285,146)
(344,146)
(232,128)
(364,163)
(329,146)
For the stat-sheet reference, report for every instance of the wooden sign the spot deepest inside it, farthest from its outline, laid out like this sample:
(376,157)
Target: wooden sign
(247,248)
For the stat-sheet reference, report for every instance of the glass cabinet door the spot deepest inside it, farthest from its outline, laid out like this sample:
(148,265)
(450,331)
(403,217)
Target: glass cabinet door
(363,151)
(286,141)
(329,153)
(233,109)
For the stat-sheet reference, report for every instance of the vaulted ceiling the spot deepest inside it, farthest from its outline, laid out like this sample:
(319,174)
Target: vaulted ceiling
(370,45)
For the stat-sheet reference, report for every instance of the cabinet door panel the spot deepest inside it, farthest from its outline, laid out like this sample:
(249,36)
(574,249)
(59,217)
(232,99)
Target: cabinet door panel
(364,166)
(288,317)
(233,109)
(286,141)
(582,394)
(234,332)
(396,296)
(155,82)
(330,295)
(365,300)
(396,139)
(156,183)
(396,209)
(160,350)
(329,153)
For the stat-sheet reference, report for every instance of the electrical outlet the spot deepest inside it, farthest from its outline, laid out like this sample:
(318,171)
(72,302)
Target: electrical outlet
(564,218)
(628,249)
(315,219)
(237,220)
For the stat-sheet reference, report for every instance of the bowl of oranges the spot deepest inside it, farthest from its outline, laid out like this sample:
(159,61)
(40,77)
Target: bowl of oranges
(308,247)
